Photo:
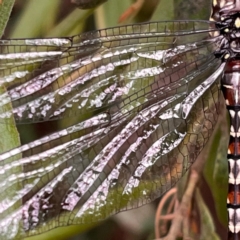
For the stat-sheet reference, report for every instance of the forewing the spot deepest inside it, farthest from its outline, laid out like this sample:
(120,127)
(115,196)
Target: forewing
(92,71)
(145,101)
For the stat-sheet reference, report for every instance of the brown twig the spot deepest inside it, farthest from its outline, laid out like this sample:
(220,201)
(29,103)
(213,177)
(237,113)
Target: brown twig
(182,210)
(131,11)
(159,217)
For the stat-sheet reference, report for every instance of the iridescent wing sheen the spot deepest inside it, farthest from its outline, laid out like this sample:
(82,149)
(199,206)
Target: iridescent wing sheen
(140,103)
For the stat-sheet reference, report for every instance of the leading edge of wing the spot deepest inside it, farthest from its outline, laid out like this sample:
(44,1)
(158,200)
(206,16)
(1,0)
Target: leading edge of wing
(77,80)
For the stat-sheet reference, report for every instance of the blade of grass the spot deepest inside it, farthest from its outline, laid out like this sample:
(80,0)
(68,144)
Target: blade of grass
(107,15)
(8,130)
(36,19)
(5,10)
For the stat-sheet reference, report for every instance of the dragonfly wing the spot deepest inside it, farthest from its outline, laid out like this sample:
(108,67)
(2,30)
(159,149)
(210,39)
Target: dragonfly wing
(147,102)
(95,69)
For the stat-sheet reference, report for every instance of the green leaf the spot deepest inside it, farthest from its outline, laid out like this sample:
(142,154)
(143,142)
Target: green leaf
(207,223)
(5,11)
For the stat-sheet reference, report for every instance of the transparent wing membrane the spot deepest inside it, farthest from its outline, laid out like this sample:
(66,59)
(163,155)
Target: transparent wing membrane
(103,59)
(140,103)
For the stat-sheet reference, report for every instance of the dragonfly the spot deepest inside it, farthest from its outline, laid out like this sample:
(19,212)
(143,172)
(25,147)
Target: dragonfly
(140,103)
